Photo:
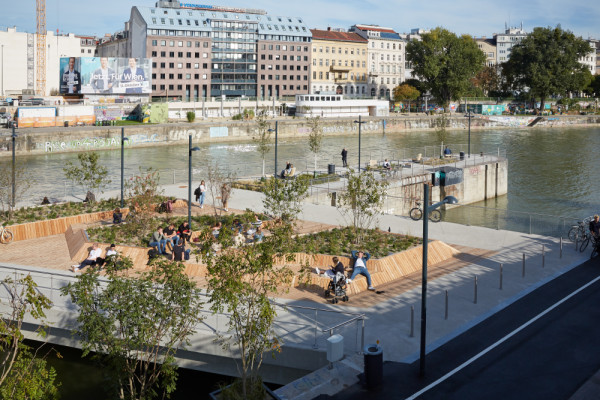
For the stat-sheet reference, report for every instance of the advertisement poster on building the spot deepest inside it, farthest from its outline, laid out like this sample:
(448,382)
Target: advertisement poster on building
(70,75)
(108,75)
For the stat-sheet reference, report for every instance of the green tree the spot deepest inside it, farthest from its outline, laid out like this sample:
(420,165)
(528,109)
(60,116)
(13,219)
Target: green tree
(23,375)
(406,92)
(135,324)
(89,174)
(23,182)
(441,122)
(241,282)
(593,89)
(546,62)
(446,63)
(283,197)
(143,193)
(362,201)
(263,139)
(315,137)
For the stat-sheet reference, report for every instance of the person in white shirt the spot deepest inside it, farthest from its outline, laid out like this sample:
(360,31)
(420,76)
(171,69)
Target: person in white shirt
(71,79)
(91,260)
(386,165)
(202,188)
(103,78)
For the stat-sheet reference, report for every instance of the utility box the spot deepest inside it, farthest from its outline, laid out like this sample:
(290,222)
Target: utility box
(335,348)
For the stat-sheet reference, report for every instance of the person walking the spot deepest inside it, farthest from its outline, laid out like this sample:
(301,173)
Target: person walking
(202,188)
(344,157)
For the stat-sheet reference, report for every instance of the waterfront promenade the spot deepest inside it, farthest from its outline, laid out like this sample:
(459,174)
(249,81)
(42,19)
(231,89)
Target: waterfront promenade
(388,315)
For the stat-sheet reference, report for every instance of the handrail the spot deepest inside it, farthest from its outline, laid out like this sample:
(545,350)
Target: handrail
(359,317)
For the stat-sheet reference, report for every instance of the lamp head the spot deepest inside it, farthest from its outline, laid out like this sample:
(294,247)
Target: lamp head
(450,200)
(195,148)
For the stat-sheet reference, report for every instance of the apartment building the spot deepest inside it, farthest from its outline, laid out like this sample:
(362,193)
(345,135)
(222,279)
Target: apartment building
(415,34)
(385,59)
(505,41)
(488,47)
(339,63)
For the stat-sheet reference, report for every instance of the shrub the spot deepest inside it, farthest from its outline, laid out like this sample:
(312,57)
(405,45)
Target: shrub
(191,116)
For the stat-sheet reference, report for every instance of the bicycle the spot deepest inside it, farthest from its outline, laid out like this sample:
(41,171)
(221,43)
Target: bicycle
(578,231)
(6,236)
(416,213)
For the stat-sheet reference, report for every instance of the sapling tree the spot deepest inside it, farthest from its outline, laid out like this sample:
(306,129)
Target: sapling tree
(143,193)
(362,201)
(284,197)
(441,122)
(219,186)
(136,323)
(23,182)
(315,137)
(263,137)
(89,174)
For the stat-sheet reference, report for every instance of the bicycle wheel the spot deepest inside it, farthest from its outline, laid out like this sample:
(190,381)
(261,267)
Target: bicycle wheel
(6,237)
(594,253)
(416,214)
(573,233)
(584,243)
(435,216)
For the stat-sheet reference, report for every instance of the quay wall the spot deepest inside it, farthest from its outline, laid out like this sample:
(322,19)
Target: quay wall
(76,139)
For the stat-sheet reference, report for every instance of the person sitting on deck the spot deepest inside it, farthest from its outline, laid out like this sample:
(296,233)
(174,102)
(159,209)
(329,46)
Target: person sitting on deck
(331,273)
(90,260)
(170,235)
(158,240)
(387,165)
(184,231)
(291,172)
(258,235)
(360,267)
(117,216)
(447,152)
(179,252)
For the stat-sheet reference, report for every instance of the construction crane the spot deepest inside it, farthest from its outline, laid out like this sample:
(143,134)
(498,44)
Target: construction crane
(40,66)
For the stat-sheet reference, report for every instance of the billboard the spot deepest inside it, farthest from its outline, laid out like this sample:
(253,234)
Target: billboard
(105,75)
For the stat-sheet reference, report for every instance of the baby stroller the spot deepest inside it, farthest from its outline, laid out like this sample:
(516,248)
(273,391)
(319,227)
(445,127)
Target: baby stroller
(337,288)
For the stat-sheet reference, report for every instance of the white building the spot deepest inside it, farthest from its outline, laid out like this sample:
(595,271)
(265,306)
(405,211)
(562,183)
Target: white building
(505,41)
(385,54)
(335,106)
(589,60)
(415,34)
(18,59)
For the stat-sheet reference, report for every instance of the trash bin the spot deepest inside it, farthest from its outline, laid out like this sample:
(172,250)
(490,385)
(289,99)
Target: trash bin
(331,169)
(462,155)
(373,355)
(66,124)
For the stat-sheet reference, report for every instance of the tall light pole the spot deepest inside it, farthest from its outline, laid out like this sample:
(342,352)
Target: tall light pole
(123,139)
(14,171)
(2,46)
(426,210)
(359,122)
(190,181)
(275,130)
(469,115)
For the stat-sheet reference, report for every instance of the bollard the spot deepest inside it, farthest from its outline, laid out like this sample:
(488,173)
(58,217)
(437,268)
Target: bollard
(523,265)
(543,257)
(315,345)
(501,276)
(561,247)
(475,291)
(446,312)
(412,321)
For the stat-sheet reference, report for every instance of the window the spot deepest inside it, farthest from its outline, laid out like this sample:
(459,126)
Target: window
(162,65)
(171,76)
(188,65)
(179,76)
(188,54)
(171,65)
(163,42)
(154,54)
(179,65)
(162,76)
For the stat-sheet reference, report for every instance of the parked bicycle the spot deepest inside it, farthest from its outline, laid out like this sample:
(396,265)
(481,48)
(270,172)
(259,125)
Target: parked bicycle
(578,232)
(6,235)
(416,213)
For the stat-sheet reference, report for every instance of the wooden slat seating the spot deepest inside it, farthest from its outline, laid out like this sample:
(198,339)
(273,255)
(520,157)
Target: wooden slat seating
(33,230)
(76,240)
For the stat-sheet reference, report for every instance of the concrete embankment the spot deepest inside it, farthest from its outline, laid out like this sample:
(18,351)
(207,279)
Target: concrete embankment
(74,139)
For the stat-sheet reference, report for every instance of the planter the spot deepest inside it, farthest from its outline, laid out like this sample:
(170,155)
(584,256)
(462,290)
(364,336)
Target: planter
(269,394)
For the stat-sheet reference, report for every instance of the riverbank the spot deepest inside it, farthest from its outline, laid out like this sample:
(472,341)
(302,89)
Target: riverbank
(217,130)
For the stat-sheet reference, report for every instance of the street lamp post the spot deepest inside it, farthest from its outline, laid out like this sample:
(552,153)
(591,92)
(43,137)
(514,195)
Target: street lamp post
(469,115)
(359,122)
(14,170)
(190,180)
(275,130)
(123,139)
(426,210)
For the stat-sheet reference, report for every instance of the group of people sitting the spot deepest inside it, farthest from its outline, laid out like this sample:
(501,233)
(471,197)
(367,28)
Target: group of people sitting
(94,258)
(289,171)
(359,259)
(175,238)
(242,234)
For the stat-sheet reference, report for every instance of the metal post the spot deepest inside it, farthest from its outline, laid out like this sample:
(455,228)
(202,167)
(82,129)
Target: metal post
(543,256)
(190,180)
(501,267)
(122,164)
(446,307)
(14,171)
(561,245)
(412,321)
(362,336)
(424,280)
(475,291)
(523,273)
(359,137)
(275,148)
(315,346)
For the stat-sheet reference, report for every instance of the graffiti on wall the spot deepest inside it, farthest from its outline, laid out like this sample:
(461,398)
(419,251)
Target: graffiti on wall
(183,134)
(85,143)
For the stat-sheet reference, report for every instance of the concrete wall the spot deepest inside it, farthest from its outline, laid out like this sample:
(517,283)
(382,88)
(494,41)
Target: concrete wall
(45,140)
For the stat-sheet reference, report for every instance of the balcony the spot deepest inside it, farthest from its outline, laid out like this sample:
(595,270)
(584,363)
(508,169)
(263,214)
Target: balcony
(339,68)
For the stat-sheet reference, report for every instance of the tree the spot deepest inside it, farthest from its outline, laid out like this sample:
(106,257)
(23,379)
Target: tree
(23,375)
(283,197)
(406,92)
(219,186)
(315,137)
(593,89)
(361,203)
(546,62)
(446,63)
(144,194)
(441,123)
(489,81)
(240,283)
(135,324)
(23,182)
(263,139)
(88,174)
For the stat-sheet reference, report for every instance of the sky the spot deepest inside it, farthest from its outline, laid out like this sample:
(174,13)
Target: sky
(477,18)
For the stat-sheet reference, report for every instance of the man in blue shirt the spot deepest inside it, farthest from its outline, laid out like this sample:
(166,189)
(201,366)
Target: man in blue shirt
(360,267)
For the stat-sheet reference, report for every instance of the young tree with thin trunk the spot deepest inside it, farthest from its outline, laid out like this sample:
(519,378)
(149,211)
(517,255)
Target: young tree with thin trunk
(89,174)
(23,182)
(263,138)
(315,137)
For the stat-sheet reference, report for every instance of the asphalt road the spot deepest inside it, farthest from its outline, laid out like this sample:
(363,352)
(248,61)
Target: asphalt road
(548,359)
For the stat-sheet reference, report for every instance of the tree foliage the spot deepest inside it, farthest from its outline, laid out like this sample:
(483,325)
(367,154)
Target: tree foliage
(23,375)
(593,89)
(362,201)
(135,324)
(546,63)
(144,193)
(406,92)
(263,138)
(23,182)
(315,137)
(219,186)
(490,81)
(446,63)
(283,197)
(89,174)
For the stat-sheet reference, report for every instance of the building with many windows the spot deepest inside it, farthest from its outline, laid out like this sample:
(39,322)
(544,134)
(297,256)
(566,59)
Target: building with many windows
(339,63)
(212,51)
(488,47)
(385,59)
(505,41)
